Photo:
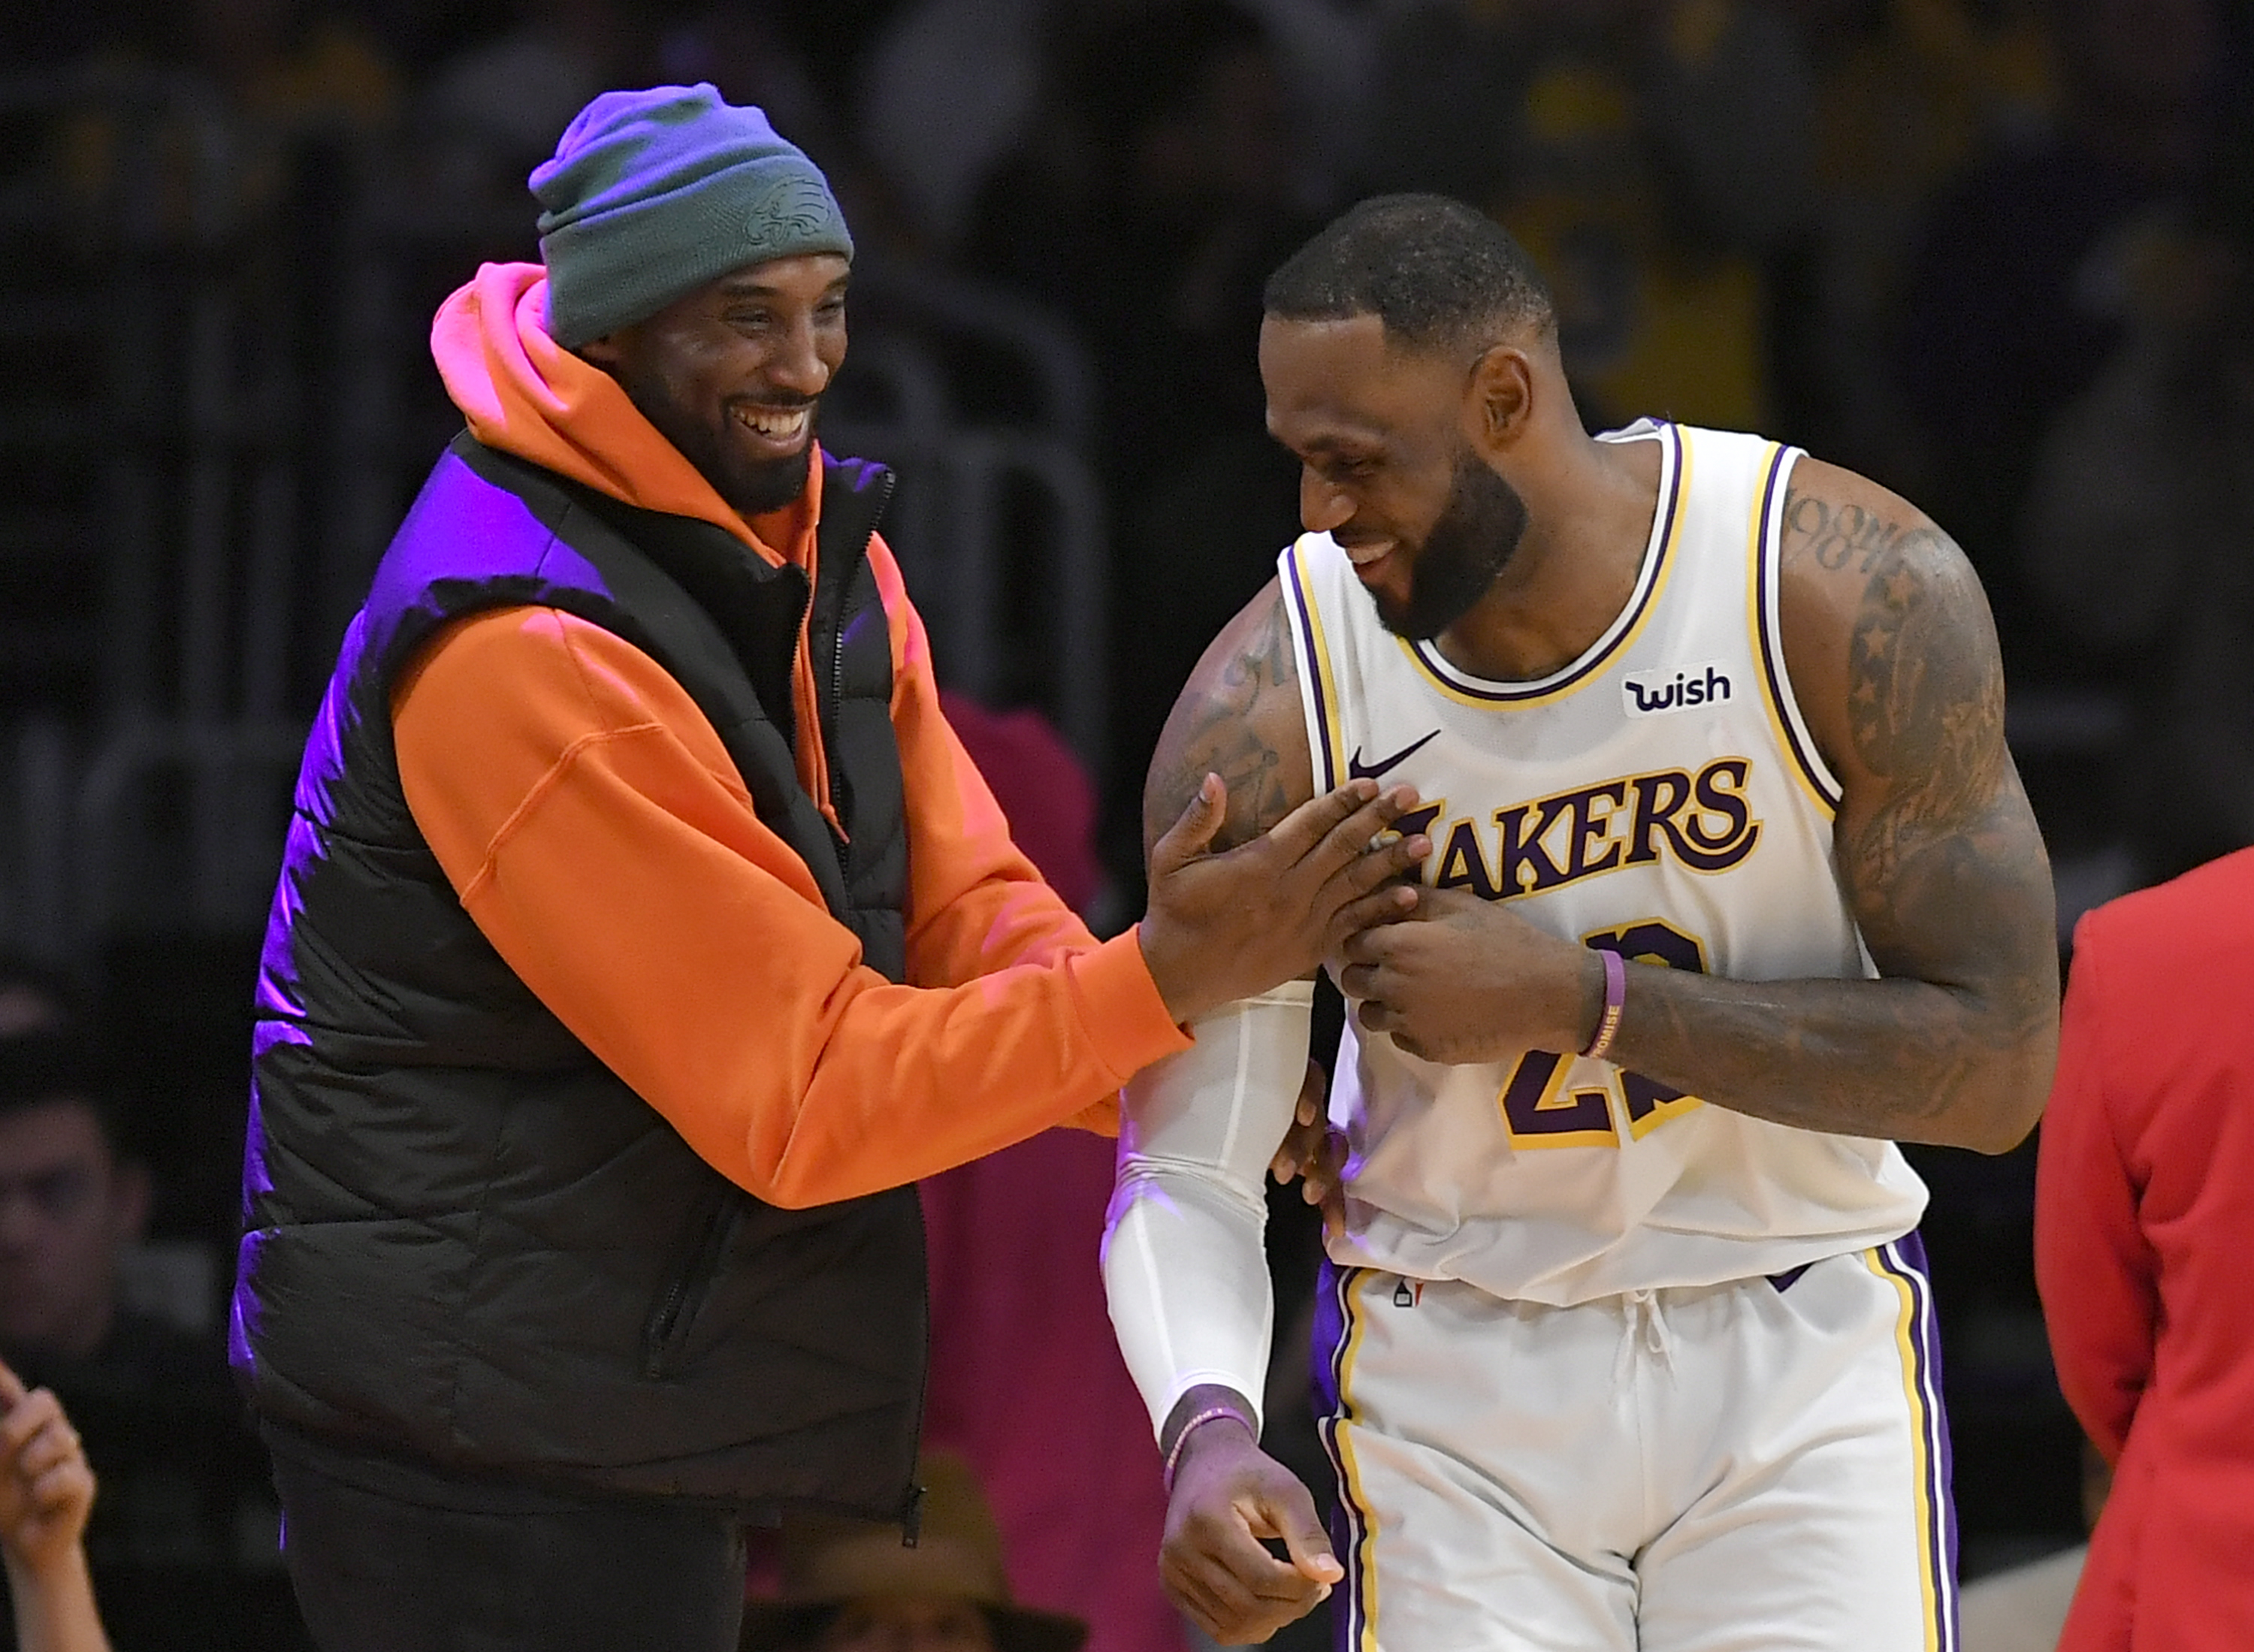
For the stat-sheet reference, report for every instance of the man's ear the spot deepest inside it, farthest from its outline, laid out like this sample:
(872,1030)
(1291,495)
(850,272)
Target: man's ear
(1499,403)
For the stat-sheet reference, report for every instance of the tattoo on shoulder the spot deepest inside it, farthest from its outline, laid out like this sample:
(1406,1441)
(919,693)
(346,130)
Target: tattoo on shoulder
(1835,533)
(1944,826)
(1925,688)
(1925,693)
(1230,722)
(1924,685)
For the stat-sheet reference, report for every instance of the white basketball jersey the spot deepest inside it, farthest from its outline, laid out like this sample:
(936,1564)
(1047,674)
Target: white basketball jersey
(1660,796)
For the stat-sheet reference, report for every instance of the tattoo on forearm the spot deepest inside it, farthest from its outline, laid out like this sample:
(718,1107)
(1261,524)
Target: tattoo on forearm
(1940,861)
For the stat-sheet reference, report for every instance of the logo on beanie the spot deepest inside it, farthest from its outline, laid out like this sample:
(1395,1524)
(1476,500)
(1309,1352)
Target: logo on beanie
(792,212)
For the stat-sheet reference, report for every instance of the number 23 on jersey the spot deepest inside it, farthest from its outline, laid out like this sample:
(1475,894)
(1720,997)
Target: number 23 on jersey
(1542,1109)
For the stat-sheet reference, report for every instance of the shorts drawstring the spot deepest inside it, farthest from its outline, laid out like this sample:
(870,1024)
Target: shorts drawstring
(1642,1321)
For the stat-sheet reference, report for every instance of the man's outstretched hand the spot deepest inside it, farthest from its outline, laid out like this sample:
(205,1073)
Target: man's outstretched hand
(1229,1495)
(1230,926)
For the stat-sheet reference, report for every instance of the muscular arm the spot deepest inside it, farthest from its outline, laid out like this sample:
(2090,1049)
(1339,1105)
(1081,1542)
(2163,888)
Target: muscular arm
(1237,716)
(1895,663)
(1184,1264)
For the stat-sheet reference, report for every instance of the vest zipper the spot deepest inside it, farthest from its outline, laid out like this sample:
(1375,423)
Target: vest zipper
(885,483)
(669,1320)
(837,840)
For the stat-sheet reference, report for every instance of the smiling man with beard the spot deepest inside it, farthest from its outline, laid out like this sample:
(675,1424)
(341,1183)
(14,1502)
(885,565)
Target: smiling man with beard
(644,933)
(1624,1339)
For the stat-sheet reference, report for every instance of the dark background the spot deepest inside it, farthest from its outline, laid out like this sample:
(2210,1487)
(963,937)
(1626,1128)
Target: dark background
(1993,253)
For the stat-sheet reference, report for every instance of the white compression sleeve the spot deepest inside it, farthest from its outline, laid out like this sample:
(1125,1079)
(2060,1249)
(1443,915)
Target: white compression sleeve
(1184,1264)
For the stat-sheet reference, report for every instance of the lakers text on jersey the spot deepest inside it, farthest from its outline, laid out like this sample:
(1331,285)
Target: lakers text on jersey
(1659,797)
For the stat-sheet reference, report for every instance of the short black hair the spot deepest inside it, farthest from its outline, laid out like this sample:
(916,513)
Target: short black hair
(1440,275)
(52,1065)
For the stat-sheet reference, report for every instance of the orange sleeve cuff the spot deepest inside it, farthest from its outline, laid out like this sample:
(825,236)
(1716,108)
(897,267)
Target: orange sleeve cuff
(1119,1003)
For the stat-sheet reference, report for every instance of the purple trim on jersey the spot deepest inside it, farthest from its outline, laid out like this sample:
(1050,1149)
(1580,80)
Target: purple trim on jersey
(1669,530)
(1307,628)
(1904,1259)
(1349,1532)
(1772,651)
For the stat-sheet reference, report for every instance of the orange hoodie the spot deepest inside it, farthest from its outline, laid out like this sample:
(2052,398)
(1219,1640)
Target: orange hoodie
(596,831)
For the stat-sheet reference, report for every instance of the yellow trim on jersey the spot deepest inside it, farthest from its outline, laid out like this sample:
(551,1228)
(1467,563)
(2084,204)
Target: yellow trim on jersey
(1920,1419)
(1325,685)
(1582,673)
(1768,651)
(1552,1100)
(1365,1557)
(1662,1112)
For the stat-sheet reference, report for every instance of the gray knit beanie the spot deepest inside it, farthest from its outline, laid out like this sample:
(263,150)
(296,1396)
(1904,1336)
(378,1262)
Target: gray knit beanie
(652,194)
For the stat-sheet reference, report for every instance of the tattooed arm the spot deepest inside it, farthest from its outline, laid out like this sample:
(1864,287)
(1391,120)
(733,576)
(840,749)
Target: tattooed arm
(1894,659)
(1894,664)
(1183,1261)
(1237,716)
(1253,880)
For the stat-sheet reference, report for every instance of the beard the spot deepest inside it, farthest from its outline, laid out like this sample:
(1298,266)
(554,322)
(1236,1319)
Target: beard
(752,486)
(1473,541)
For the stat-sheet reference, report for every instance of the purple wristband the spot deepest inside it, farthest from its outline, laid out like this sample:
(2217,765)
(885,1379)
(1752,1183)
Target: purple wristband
(1615,997)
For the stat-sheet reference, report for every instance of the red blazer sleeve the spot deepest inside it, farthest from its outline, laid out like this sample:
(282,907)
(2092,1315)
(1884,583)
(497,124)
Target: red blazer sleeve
(595,831)
(2098,1275)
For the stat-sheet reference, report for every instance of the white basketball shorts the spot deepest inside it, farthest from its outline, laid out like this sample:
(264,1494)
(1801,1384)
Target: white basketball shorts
(1759,1466)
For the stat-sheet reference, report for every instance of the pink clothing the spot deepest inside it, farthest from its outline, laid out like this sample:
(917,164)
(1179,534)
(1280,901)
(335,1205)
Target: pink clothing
(1026,1381)
(1044,794)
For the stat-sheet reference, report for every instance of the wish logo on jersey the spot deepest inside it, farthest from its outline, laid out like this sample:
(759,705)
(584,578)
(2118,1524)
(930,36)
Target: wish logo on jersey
(1701,820)
(1649,693)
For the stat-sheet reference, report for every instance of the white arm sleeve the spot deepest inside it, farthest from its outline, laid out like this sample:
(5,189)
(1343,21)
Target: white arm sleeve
(1184,1265)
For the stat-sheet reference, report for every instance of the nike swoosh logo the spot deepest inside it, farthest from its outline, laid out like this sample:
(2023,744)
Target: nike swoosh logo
(1358,770)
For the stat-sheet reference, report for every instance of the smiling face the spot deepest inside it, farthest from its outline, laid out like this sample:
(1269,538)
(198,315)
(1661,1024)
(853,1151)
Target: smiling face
(1386,469)
(730,374)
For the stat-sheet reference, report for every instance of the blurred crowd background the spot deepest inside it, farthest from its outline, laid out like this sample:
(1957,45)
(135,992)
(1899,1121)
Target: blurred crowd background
(1999,255)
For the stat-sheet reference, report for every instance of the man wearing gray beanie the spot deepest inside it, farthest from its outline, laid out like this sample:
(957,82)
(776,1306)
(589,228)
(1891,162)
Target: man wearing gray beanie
(644,934)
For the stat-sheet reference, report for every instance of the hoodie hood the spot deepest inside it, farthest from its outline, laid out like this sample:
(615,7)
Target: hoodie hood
(528,395)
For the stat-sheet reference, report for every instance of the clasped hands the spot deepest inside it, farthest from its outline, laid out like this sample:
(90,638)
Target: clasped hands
(1449,977)
(1458,979)
(1452,979)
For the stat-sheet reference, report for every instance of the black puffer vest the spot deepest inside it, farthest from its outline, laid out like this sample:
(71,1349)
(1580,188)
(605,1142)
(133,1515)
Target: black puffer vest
(466,1240)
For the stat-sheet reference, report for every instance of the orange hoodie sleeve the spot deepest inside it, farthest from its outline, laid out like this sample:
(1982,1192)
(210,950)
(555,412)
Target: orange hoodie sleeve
(976,903)
(595,831)
(975,898)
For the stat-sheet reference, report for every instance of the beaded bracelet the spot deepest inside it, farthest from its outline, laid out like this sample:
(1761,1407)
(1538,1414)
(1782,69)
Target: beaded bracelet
(1210,1414)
